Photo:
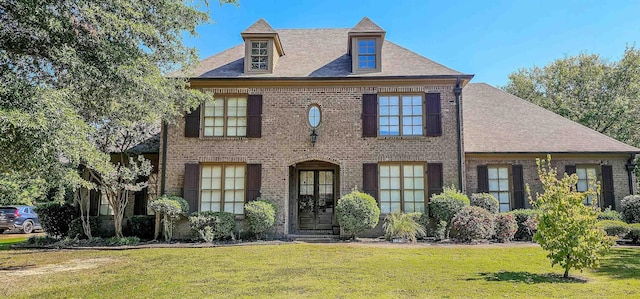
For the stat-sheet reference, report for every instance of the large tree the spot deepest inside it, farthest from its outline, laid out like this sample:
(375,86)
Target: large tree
(600,94)
(79,77)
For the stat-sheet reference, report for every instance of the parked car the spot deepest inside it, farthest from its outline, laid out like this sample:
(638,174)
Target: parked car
(23,218)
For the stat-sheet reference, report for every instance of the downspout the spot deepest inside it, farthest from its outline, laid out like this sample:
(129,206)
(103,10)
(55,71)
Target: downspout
(163,175)
(458,93)
(631,166)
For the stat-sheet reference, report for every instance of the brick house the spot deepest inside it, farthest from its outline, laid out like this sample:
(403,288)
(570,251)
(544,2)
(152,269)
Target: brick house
(302,116)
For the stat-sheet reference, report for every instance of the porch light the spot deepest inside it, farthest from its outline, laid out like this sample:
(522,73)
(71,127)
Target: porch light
(314,137)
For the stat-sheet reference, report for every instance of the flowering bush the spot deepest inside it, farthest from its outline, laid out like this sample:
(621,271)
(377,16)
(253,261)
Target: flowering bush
(445,205)
(527,223)
(486,201)
(505,226)
(473,223)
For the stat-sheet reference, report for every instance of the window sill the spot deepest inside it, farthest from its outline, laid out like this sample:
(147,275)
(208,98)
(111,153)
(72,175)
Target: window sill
(224,138)
(405,137)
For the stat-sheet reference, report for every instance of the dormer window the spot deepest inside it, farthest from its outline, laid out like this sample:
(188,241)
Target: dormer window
(260,55)
(366,54)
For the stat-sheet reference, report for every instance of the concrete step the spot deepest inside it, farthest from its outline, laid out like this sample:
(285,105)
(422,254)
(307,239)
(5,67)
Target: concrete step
(314,238)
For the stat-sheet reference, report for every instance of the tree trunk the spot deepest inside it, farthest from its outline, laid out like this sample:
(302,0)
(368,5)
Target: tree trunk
(158,227)
(566,273)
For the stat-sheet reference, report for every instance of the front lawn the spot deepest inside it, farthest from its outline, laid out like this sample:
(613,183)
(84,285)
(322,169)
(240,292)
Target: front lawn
(312,270)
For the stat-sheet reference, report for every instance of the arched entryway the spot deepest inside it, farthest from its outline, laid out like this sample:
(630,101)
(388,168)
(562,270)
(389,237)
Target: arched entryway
(314,191)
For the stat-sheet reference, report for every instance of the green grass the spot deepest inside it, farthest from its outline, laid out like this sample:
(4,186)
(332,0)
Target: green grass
(317,270)
(7,241)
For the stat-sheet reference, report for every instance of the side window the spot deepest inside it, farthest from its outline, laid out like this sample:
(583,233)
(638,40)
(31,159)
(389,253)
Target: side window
(587,176)
(499,186)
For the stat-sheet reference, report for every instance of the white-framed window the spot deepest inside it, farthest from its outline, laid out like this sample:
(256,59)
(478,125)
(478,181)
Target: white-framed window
(367,53)
(105,207)
(400,115)
(226,116)
(499,186)
(222,188)
(587,176)
(401,187)
(259,55)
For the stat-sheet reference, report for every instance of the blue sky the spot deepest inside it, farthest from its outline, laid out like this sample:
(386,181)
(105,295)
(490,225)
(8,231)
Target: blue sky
(490,39)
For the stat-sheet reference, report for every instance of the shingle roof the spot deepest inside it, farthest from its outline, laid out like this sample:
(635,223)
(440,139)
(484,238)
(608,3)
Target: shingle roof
(498,122)
(261,26)
(317,53)
(366,25)
(148,146)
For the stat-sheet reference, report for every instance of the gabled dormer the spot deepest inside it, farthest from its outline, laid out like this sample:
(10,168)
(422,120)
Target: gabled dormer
(365,47)
(262,48)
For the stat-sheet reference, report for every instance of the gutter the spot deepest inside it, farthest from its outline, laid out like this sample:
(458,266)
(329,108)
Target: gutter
(458,93)
(340,78)
(163,175)
(631,166)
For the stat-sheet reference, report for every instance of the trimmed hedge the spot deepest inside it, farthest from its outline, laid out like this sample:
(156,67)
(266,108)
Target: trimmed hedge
(485,201)
(261,216)
(614,228)
(55,218)
(444,206)
(634,232)
(527,223)
(609,214)
(356,212)
(473,223)
(213,225)
(630,207)
(141,226)
(505,226)
(76,230)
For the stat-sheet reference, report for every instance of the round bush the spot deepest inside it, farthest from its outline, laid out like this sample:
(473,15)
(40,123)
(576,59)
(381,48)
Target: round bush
(614,228)
(261,215)
(486,201)
(55,218)
(630,207)
(473,223)
(505,227)
(527,223)
(445,205)
(634,232)
(609,214)
(213,225)
(356,212)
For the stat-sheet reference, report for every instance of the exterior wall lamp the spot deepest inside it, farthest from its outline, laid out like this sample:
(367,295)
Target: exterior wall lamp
(314,137)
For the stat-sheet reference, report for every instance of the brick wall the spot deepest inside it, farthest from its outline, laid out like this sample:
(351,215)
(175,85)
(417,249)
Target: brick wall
(285,139)
(620,177)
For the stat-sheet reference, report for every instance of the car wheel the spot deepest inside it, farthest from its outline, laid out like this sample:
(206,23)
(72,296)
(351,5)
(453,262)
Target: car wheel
(1,231)
(27,227)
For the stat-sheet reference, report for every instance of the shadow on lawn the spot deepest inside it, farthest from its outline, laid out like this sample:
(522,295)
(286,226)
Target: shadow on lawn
(527,277)
(621,263)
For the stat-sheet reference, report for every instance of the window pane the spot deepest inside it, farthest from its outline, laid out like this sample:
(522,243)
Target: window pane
(504,185)
(503,172)
(582,173)
(493,173)
(493,185)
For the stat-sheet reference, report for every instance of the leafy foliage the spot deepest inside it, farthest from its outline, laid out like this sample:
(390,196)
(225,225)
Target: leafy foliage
(356,212)
(567,228)
(261,216)
(630,206)
(505,227)
(587,89)
(55,218)
(447,204)
(473,223)
(527,222)
(485,201)
(16,189)
(614,228)
(404,226)
(140,226)
(634,232)
(609,214)
(212,226)
(170,208)
(76,230)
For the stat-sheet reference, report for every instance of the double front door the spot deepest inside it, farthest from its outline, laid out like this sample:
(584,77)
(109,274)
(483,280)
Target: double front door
(316,200)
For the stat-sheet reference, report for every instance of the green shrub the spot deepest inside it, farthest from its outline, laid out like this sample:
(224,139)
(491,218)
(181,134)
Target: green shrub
(473,223)
(141,226)
(404,226)
(630,207)
(76,230)
(609,214)
(614,228)
(634,232)
(115,241)
(356,212)
(485,201)
(41,240)
(505,227)
(527,223)
(170,208)
(445,205)
(55,218)
(440,230)
(212,226)
(261,216)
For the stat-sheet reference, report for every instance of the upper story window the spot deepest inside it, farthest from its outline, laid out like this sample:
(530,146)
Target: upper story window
(400,115)
(259,55)
(225,116)
(314,116)
(499,186)
(366,54)
(587,176)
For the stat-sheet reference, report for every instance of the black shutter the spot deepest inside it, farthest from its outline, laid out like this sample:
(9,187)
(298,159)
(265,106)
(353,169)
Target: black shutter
(191,185)
(570,169)
(369,115)
(94,202)
(609,199)
(518,187)
(192,123)
(433,115)
(254,116)
(254,180)
(483,179)
(370,179)
(434,178)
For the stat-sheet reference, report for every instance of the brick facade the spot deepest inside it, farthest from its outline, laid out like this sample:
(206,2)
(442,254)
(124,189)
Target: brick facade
(286,141)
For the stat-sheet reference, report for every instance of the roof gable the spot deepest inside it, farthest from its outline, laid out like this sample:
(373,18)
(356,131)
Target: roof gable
(498,122)
(260,26)
(365,26)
